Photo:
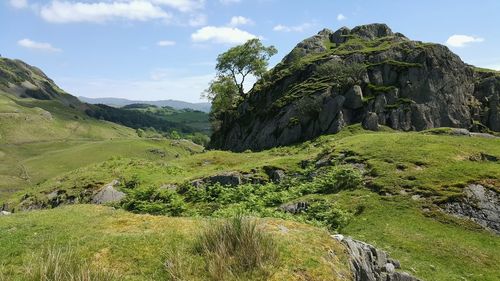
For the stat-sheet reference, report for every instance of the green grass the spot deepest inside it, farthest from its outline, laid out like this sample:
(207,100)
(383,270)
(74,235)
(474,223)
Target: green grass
(30,120)
(197,120)
(432,249)
(30,164)
(137,247)
(429,244)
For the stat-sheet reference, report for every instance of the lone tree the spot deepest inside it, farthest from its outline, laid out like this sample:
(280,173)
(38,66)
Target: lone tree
(233,67)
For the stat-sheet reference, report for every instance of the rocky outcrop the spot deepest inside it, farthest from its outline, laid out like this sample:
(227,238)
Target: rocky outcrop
(368,75)
(371,264)
(108,194)
(480,204)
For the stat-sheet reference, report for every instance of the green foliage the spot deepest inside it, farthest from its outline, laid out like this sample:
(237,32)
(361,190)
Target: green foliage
(380,88)
(233,67)
(328,214)
(154,201)
(223,93)
(398,64)
(199,138)
(240,61)
(340,177)
(237,247)
(341,74)
(136,119)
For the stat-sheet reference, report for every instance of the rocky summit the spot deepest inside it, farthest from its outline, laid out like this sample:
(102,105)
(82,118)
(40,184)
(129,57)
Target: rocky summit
(369,75)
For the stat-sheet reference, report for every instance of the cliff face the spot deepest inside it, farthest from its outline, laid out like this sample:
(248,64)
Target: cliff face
(367,75)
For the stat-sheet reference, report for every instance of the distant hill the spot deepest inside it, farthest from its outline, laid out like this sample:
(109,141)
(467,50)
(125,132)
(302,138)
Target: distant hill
(34,109)
(118,102)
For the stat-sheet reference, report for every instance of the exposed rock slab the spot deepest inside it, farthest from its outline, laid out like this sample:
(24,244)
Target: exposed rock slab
(108,194)
(480,204)
(371,264)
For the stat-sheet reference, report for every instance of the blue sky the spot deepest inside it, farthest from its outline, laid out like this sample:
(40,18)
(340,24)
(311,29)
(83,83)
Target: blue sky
(166,49)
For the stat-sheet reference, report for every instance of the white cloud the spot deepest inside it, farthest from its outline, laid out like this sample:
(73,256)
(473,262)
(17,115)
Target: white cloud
(227,2)
(165,43)
(296,28)
(459,41)
(227,35)
(19,4)
(198,20)
(341,17)
(65,11)
(30,44)
(181,5)
(239,20)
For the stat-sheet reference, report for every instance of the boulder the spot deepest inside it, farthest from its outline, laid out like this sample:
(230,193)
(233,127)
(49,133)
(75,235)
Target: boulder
(276,175)
(371,121)
(4,213)
(108,194)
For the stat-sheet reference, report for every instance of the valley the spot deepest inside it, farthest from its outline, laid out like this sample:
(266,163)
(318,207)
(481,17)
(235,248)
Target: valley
(362,156)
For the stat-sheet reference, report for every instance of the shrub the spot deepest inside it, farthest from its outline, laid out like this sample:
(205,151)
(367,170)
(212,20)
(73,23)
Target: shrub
(64,265)
(154,201)
(237,247)
(327,214)
(339,178)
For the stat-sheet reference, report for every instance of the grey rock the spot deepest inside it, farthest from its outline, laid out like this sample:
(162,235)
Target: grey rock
(340,36)
(371,121)
(371,264)
(276,175)
(390,268)
(4,213)
(354,98)
(372,31)
(431,87)
(480,204)
(294,208)
(108,194)
(338,237)
(229,178)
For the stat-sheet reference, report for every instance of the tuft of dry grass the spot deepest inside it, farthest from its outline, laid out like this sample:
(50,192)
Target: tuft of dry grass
(57,264)
(233,249)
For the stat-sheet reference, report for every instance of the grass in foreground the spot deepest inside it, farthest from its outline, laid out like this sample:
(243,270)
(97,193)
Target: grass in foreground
(137,247)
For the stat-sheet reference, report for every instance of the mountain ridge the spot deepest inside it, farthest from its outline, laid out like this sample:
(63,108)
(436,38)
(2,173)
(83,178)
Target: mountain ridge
(120,102)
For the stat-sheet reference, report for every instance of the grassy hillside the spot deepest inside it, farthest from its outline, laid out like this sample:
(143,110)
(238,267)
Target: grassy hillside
(30,120)
(144,247)
(28,164)
(383,210)
(194,119)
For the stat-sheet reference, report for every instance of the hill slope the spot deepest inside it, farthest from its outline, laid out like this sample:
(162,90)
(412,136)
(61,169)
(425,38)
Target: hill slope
(141,247)
(367,75)
(118,102)
(399,206)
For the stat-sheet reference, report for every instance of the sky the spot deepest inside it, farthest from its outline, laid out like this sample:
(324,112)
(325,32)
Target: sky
(166,49)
